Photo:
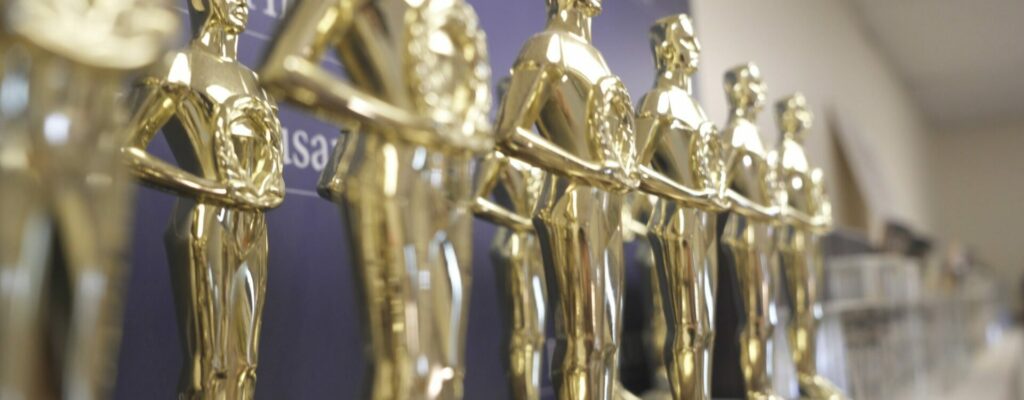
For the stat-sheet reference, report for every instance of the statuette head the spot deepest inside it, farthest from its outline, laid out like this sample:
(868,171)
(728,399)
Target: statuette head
(587,7)
(675,44)
(233,15)
(795,118)
(745,89)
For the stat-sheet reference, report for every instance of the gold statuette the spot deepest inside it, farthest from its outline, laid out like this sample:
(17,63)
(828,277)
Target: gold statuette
(516,188)
(64,197)
(417,101)
(656,332)
(584,119)
(807,214)
(517,255)
(226,138)
(681,163)
(749,234)
(639,206)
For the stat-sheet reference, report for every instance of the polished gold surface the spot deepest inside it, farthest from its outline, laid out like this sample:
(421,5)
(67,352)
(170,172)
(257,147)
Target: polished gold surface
(749,234)
(226,138)
(517,256)
(657,332)
(515,187)
(806,215)
(682,164)
(416,101)
(64,198)
(584,139)
(639,207)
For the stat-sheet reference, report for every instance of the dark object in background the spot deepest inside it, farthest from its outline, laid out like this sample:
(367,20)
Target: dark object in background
(842,242)
(726,375)
(901,239)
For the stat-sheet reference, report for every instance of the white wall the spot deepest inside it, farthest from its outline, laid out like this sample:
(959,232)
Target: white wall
(979,191)
(819,48)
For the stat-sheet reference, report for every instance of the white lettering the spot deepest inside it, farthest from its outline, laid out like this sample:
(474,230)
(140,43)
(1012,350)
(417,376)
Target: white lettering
(320,152)
(284,146)
(301,151)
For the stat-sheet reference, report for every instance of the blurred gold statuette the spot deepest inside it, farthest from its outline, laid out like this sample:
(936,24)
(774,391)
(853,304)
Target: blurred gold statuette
(636,214)
(516,187)
(749,233)
(416,102)
(681,163)
(807,214)
(561,85)
(64,198)
(226,138)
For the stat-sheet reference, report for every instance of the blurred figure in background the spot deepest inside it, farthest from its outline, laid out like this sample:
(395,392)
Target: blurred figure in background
(64,196)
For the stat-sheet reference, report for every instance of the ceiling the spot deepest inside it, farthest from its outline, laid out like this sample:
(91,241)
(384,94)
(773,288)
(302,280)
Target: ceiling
(962,61)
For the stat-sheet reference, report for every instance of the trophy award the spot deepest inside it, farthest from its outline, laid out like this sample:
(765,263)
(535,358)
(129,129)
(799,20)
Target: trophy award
(516,188)
(416,99)
(681,163)
(806,214)
(749,232)
(226,138)
(561,84)
(636,214)
(655,332)
(517,255)
(64,197)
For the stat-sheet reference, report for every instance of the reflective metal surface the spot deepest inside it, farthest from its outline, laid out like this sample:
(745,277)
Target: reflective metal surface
(584,139)
(516,188)
(226,139)
(749,234)
(806,215)
(64,198)
(656,334)
(681,160)
(639,207)
(416,101)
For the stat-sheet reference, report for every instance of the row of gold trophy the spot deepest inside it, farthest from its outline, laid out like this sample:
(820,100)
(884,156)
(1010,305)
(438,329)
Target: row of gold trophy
(568,157)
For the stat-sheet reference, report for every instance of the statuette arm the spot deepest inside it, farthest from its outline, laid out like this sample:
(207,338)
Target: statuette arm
(650,127)
(822,204)
(305,83)
(487,178)
(654,182)
(293,72)
(156,105)
(824,218)
(520,110)
(488,210)
(741,204)
(263,187)
(796,217)
(744,206)
(487,175)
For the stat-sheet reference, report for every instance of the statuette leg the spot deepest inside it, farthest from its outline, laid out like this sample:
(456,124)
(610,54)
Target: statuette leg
(411,239)
(750,243)
(803,268)
(583,246)
(524,299)
(685,249)
(218,258)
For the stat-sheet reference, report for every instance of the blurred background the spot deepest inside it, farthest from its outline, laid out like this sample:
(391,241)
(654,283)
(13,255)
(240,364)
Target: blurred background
(918,106)
(919,128)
